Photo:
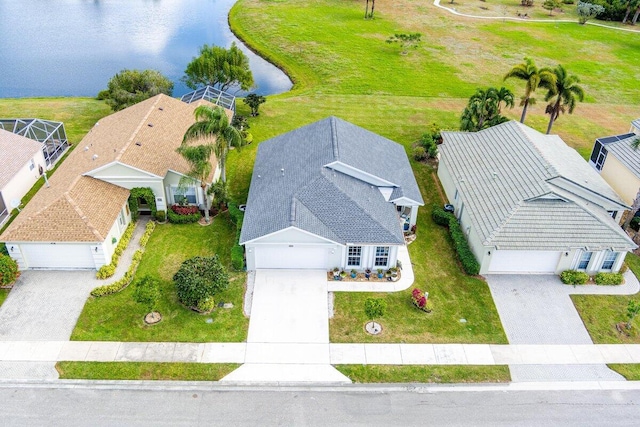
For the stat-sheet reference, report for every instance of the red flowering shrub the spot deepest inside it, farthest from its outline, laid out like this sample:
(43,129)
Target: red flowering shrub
(184,210)
(420,300)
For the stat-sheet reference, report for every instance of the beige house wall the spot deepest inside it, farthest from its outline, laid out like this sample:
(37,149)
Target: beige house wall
(621,179)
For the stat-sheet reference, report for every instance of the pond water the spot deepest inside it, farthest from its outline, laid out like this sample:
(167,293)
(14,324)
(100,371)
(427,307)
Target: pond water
(73,47)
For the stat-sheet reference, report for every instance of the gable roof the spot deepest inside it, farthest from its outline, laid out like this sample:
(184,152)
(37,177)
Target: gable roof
(621,147)
(319,178)
(15,152)
(79,208)
(521,187)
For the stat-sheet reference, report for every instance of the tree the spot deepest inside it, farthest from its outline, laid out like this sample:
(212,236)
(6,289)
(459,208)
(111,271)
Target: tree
(633,309)
(199,159)
(484,107)
(406,41)
(587,11)
(253,101)
(534,78)
(129,87)
(630,5)
(147,292)
(212,125)
(221,194)
(219,67)
(550,5)
(563,95)
(369,14)
(374,308)
(199,279)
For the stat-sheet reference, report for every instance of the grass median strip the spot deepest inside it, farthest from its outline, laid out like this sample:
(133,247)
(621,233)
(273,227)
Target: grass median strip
(425,373)
(144,371)
(628,370)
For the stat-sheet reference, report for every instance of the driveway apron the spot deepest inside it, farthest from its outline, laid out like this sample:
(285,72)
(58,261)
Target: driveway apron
(537,309)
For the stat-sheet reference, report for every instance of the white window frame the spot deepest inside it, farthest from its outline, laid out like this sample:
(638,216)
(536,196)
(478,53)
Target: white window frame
(385,253)
(606,260)
(357,255)
(582,259)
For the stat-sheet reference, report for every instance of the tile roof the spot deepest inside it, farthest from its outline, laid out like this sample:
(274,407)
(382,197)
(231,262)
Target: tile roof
(621,147)
(15,152)
(517,182)
(78,208)
(292,185)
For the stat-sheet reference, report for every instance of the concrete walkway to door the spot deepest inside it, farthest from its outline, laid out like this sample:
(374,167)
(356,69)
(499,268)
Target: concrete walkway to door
(289,330)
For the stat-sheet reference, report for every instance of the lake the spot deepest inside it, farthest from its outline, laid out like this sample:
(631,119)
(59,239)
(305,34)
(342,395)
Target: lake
(73,48)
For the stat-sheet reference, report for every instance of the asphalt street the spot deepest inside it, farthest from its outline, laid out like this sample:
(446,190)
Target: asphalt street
(84,404)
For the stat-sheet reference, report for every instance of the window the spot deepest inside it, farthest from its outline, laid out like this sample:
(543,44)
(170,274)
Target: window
(382,256)
(354,256)
(610,258)
(180,193)
(584,260)
(121,218)
(599,155)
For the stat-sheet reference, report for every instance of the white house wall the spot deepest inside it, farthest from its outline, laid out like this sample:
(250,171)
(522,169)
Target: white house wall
(23,180)
(172,179)
(108,246)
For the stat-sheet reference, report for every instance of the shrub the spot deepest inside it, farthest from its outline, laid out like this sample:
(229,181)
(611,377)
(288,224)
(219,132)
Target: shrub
(184,210)
(206,305)
(419,154)
(3,249)
(147,292)
(199,278)
(8,270)
(147,233)
(374,308)
(421,300)
(237,251)
(119,285)
(608,279)
(440,216)
(161,216)
(237,257)
(106,271)
(574,277)
(109,270)
(465,255)
(183,219)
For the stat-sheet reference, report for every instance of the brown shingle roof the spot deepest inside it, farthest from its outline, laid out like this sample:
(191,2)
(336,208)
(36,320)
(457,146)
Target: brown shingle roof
(15,152)
(77,208)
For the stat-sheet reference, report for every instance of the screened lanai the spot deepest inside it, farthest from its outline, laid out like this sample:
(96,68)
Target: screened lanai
(213,95)
(51,134)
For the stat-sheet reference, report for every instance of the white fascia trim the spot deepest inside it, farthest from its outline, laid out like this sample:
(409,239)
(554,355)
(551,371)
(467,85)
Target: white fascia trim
(285,229)
(108,165)
(404,201)
(351,168)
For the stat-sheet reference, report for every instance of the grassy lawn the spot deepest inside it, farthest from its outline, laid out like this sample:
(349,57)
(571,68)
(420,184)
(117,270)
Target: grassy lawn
(144,371)
(425,374)
(600,313)
(118,318)
(630,371)
(4,293)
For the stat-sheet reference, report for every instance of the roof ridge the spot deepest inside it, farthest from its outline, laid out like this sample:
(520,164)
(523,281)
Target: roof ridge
(504,221)
(549,165)
(334,137)
(135,132)
(82,215)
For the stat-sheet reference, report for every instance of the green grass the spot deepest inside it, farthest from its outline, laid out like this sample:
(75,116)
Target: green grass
(144,371)
(630,371)
(4,293)
(118,318)
(600,313)
(426,374)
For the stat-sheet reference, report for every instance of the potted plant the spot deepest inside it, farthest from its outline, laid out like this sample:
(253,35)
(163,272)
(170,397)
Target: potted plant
(380,273)
(394,274)
(343,274)
(354,273)
(336,273)
(367,273)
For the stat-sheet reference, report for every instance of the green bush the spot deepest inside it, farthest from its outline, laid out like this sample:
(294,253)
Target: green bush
(206,305)
(109,270)
(183,219)
(440,216)
(420,153)
(161,216)
(147,233)
(3,249)
(237,257)
(8,270)
(106,271)
(608,279)
(147,292)
(574,277)
(199,278)
(119,285)
(460,243)
(237,251)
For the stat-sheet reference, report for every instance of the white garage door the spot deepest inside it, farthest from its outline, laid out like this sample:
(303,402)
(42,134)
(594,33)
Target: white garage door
(58,256)
(524,261)
(297,256)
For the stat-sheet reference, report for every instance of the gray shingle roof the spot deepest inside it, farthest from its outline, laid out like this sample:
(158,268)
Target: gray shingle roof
(621,148)
(292,186)
(516,183)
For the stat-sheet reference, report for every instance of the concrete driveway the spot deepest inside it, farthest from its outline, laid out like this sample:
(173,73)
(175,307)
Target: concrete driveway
(537,309)
(45,305)
(289,306)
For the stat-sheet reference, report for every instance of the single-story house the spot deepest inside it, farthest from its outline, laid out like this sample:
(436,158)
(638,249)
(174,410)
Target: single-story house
(528,203)
(77,221)
(618,162)
(329,194)
(50,134)
(21,160)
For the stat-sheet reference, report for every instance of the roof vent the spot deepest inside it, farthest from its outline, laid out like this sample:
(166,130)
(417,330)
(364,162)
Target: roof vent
(161,108)
(139,144)
(150,125)
(86,148)
(495,175)
(282,171)
(259,176)
(95,156)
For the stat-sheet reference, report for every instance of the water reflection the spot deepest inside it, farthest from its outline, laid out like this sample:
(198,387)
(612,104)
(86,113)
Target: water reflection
(72,48)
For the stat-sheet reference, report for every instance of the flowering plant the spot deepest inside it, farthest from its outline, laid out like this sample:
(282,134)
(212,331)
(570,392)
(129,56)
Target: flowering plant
(420,300)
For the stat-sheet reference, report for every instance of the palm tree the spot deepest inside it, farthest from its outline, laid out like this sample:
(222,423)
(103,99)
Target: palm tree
(534,77)
(563,95)
(212,125)
(483,109)
(199,158)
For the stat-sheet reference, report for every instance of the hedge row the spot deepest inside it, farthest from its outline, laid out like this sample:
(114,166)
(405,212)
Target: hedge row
(607,279)
(183,219)
(109,270)
(8,270)
(237,251)
(119,285)
(574,277)
(147,233)
(466,257)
